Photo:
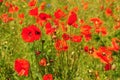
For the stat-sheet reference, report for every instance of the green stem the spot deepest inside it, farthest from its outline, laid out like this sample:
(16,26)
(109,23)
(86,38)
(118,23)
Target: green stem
(31,75)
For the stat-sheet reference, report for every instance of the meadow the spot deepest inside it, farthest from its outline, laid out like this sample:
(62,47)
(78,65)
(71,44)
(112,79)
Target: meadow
(59,40)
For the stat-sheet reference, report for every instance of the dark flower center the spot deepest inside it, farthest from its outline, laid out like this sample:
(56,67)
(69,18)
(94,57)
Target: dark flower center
(30,33)
(37,33)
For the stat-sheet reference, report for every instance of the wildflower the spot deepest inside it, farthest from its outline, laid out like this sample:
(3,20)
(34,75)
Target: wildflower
(37,53)
(108,12)
(85,31)
(31,33)
(72,18)
(64,28)
(101,7)
(86,48)
(61,45)
(89,50)
(49,29)
(48,77)
(102,30)
(1,0)
(107,67)
(104,55)
(115,46)
(85,28)
(75,9)
(7,4)
(59,14)
(32,3)
(65,7)
(75,25)
(56,21)
(65,36)
(87,35)
(97,21)
(22,66)
(82,21)
(43,62)
(85,5)
(42,5)
(21,15)
(44,16)
(13,9)
(34,12)
(76,38)
(5,18)
(117,26)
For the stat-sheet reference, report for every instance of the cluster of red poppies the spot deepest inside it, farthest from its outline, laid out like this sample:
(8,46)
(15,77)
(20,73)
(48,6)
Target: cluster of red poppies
(22,67)
(104,53)
(62,19)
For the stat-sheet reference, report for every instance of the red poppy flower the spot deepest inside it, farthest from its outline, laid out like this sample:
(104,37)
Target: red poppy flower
(31,33)
(44,16)
(59,14)
(43,62)
(49,29)
(104,55)
(102,30)
(101,7)
(61,45)
(34,12)
(13,9)
(22,66)
(37,53)
(65,36)
(86,48)
(97,21)
(48,25)
(107,67)
(115,46)
(63,27)
(89,50)
(108,11)
(87,35)
(21,15)
(72,18)
(82,21)
(117,26)
(65,7)
(42,6)
(75,9)
(1,0)
(75,25)
(86,32)
(85,5)
(7,4)
(76,38)
(85,28)
(56,21)
(40,22)
(5,18)
(32,3)
(48,77)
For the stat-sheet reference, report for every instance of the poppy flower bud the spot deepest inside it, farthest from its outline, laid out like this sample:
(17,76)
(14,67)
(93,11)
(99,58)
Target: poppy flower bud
(37,53)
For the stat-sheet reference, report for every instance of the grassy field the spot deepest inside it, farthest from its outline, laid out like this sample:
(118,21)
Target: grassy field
(59,40)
